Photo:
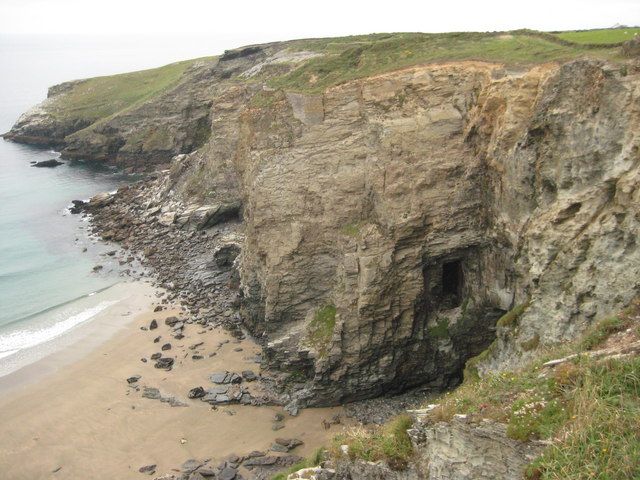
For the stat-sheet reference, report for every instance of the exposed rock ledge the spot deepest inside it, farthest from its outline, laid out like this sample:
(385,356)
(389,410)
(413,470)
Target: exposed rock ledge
(455,450)
(388,222)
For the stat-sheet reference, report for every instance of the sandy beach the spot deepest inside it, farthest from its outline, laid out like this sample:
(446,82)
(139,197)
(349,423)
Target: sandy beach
(73,414)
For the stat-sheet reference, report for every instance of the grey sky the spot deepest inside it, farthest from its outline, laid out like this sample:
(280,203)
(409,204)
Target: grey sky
(264,20)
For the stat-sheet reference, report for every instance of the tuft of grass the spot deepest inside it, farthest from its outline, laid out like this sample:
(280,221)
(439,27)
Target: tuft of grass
(321,328)
(601,331)
(531,344)
(587,407)
(441,330)
(313,461)
(510,319)
(470,373)
(389,443)
(600,36)
(602,439)
(351,229)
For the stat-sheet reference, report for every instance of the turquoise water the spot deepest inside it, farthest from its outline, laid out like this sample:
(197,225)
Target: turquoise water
(45,274)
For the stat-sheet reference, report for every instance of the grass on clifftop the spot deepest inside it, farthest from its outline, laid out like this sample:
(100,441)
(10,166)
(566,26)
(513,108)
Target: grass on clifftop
(101,97)
(603,36)
(389,443)
(587,406)
(349,58)
(321,328)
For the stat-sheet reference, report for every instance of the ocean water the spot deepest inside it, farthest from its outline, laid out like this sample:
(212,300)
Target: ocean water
(46,277)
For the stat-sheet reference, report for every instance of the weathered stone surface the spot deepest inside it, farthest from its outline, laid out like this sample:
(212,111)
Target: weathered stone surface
(459,450)
(422,204)
(520,182)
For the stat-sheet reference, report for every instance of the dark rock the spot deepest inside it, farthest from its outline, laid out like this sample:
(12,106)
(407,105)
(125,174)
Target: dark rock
(97,268)
(158,308)
(239,53)
(261,461)
(227,473)
(165,347)
(157,339)
(164,362)
(156,356)
(276,447)
(207,471)
(190,465)
(47,163)
(197,357)
(152,393)
(171,321)
(134,379)
(153,325)
(149,469)
(249,376)
(197,392)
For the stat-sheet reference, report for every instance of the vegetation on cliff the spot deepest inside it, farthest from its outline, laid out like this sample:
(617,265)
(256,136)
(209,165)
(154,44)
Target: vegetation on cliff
(349,58)
(602,36)
(586,404)
(100,97)
(389,443)
(583,398)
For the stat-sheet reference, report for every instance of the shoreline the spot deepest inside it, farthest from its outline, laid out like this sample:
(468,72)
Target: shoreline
(73,414)
(80,340)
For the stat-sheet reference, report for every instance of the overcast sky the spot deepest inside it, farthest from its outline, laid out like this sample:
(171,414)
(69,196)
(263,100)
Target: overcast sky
(261,20)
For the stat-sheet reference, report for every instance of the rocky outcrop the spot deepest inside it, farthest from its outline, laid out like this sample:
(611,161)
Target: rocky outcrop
(454,450)
(388,222)
(460,450)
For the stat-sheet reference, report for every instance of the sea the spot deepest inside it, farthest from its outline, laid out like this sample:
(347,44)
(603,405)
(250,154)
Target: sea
(47,283)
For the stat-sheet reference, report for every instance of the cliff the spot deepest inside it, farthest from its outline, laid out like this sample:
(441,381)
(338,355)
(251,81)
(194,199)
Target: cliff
(407,200)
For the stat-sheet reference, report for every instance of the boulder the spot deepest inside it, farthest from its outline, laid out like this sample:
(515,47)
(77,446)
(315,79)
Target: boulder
(47,163)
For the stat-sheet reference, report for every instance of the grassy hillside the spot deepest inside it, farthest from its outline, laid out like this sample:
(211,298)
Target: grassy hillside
(603,36)
(587,405)
(348,58)
(101,97)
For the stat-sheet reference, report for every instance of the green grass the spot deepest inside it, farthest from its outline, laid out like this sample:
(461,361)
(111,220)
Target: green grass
(321,328)
(389,443)
(587,407)
(601,331)
(100,97)
(510,319)
(313,461)
(352,229)
(355,57)
(441,330)
(603,36)
(603,437)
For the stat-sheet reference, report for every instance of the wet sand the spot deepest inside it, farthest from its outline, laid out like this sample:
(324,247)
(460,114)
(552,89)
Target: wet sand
(73,414)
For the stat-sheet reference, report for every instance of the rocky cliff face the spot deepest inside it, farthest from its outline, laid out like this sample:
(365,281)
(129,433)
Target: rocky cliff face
(390,221)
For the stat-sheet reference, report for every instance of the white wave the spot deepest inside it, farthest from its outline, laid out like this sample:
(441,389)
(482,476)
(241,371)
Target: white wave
(7,353)
(27,338)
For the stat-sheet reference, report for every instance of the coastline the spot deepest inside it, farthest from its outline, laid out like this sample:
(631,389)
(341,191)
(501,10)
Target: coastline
(73,414)
(125,300)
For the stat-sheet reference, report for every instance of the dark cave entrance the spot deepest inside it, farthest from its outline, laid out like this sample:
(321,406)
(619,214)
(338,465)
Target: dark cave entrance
(443,285)
(452,282)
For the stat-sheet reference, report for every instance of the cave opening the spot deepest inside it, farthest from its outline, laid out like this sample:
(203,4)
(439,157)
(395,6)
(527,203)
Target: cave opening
(452,282)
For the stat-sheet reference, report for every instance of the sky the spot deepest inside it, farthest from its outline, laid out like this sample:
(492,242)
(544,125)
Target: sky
(260,20)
